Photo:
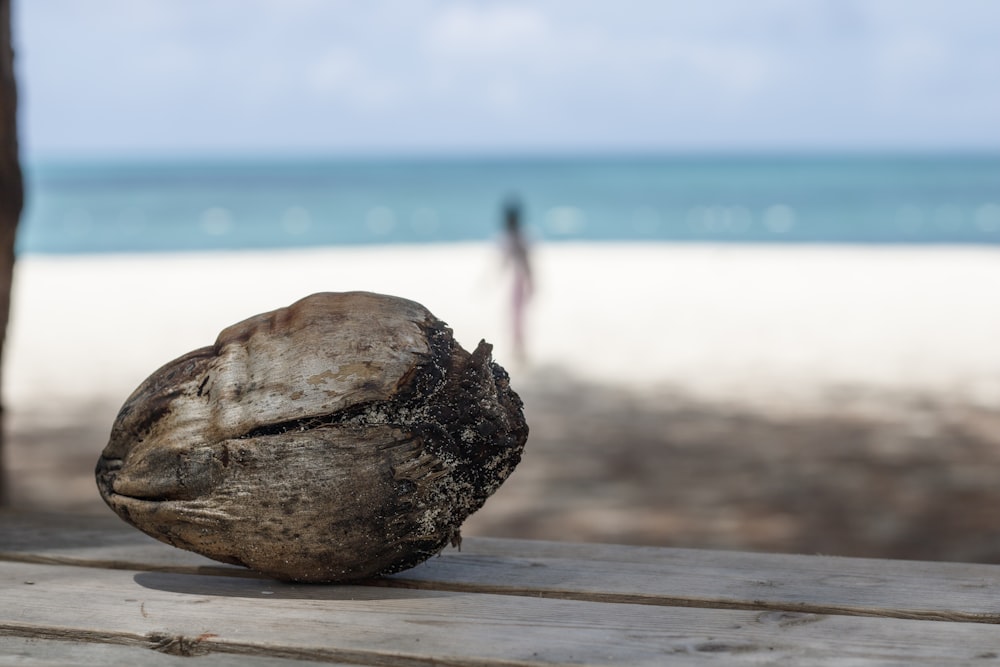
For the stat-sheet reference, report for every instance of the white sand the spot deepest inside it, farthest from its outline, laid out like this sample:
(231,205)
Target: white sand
(754,323)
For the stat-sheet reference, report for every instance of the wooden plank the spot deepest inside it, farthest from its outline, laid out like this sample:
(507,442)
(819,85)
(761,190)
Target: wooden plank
(201,614)
(27,651)
(609,573)
(966,592)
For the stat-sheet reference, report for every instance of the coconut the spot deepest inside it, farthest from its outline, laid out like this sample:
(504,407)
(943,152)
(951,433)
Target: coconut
(343,437)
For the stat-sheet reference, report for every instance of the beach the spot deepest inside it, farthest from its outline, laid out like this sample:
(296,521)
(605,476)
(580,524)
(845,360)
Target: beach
(810,398)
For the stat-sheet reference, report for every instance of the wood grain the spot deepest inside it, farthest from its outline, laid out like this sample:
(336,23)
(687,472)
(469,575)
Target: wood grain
(201,615)
(592,572)
(68,652)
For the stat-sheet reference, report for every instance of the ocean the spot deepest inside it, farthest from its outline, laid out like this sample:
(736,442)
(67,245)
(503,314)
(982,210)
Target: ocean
(103,206)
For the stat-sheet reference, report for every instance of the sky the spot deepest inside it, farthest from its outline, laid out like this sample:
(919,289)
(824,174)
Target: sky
(141,78)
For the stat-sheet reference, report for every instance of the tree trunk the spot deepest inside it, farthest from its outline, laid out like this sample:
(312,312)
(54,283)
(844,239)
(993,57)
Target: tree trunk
(11,192)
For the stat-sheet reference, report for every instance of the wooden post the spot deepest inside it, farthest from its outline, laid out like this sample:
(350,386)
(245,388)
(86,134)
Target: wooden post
(11,191)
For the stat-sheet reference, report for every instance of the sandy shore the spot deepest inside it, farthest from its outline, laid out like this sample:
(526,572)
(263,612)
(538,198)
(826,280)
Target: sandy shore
(746,396)
(737,322)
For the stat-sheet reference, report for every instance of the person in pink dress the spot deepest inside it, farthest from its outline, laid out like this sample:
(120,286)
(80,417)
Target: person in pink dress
(516,256)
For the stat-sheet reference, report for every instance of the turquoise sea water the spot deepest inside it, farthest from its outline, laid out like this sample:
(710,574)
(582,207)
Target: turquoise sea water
(90,207)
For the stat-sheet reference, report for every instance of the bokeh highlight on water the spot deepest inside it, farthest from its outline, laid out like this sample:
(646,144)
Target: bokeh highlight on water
(92,207)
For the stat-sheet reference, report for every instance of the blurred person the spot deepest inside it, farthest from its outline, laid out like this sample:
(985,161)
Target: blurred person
(516,256)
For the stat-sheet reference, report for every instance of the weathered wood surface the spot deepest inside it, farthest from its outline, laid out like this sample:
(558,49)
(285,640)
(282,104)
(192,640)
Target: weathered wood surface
(965,592)
(96,583)
(31,651)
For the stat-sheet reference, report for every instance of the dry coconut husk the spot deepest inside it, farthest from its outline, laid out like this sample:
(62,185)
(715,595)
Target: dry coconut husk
(345,436)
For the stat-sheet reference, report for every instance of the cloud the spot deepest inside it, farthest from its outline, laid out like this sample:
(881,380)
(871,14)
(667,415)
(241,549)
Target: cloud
(487,30)
(342,75)
(910,58)
(505,73)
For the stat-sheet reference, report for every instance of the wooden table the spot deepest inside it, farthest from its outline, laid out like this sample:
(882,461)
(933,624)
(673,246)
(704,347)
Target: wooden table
(93,591)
